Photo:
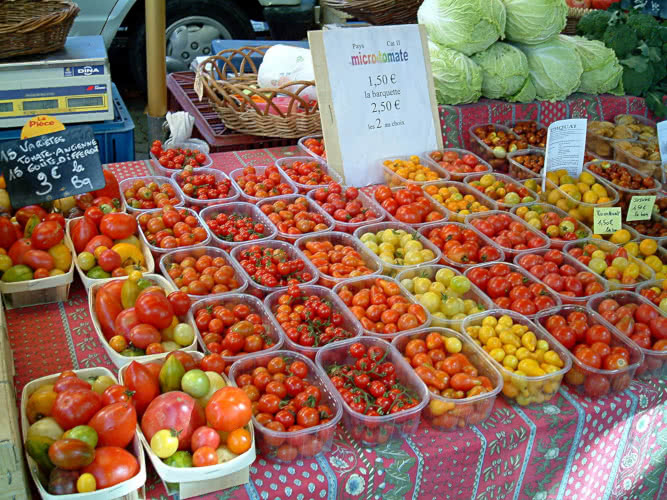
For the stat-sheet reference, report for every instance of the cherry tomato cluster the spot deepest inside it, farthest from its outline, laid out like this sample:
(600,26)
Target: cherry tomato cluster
(508,233)
(285,400)
(510,289)
(642,323)
(459,164)
(236,227)
(309,173)
(338,261)
(232,330)
(172,228)
(559,276)
(382,308)
(656,294)
(295,217)
(408,204)
(264,185)
(272,267)
(145,196)
(461,245)
(203,275)
(343,206)
(316,146)
(204,186)
(550,223)
(177,158)
(617,267)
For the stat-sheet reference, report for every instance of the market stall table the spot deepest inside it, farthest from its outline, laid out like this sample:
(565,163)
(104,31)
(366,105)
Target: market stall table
(570,447)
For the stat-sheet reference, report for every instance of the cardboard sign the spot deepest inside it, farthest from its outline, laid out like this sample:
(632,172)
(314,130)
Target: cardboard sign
(51,166)
(606,220)
(376,96)
(566,146)
(641,208)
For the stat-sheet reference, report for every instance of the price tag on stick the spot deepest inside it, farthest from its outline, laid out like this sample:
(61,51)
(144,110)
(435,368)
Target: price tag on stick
(565,149)
(641,208)
(606,220)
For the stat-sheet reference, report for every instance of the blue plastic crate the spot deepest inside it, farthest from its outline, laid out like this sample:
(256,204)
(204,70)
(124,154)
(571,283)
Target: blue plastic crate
(115,138)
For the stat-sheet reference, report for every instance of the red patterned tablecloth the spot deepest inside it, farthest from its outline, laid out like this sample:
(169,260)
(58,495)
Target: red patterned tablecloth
(571,447)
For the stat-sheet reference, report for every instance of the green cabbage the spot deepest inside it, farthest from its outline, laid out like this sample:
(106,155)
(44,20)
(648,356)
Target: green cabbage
(602,71)
(468,26)
(534,21)
(526,94)
(555,69)
(504,70)
(457,79)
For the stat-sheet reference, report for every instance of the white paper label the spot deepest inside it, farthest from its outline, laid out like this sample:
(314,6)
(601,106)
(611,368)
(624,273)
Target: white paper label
(662,142)
(380,97)
(566,145)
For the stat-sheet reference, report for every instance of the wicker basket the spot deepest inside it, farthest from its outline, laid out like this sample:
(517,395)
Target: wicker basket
(573,16)
(235,95)
(378,11)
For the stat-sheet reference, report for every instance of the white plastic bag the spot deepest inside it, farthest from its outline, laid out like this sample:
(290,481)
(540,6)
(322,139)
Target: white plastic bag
(180,127)
(283,64)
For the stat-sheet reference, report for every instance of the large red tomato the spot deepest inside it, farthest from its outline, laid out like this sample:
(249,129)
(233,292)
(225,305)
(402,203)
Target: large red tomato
(47,234)
(23,214)
(228,409)
(76,407)
(108,306)
(155,309)
(18,249)
(98,241)
(115,424)
(112,465)
(174,410)
(7,233)
(81,232)
(145,385)
(38,259)
(118,226)
(659,327)
(125,321)
(111,189)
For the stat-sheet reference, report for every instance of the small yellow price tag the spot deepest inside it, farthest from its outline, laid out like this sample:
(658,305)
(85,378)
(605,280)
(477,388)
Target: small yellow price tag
(606,220)
(641,208)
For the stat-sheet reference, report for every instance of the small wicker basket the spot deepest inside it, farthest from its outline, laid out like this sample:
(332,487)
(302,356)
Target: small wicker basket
(34,27)
(573,16)
(245,107)
(378,11)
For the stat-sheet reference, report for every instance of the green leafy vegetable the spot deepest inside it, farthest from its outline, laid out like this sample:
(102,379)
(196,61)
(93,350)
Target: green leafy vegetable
(457,79)
(504,70)
(534,21)
(602,71)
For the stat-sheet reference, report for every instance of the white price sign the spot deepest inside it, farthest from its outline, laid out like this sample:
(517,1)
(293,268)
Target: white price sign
(566,146)
(376,97)
(662,142)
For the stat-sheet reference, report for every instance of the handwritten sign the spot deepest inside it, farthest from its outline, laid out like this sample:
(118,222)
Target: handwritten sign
(641,208)
(376,96)
(51,166)
(566,145)
(606,220)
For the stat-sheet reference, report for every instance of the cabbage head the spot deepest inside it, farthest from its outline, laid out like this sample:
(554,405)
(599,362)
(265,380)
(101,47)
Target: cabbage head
(504,70)
(526,94)
(555,69)
(602,71)
(457,79)
(468,26)
(534,21)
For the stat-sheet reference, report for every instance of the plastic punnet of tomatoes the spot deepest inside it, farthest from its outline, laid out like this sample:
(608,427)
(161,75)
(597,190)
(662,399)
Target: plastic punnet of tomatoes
(445,293)
(553,222)
(502,189)
(493,142)
(273,265)
(165,229)
(408,205)
(349,207)
(531,362)
(571,280)
(511,287)
(176,156)
(382,305)
(603,361)
(526,164)
(410,170)
(314,146)
(655,291)
(511,233)
(150,192)
(462,246)
(463,383)
(382,396)
(260,183)
(310,317)
(192,421)
(80,435)
(294,216)
(338,256)
(651,253)
(296,413)
(457,162)
(459,199)
(307,172)
(637,318)
(205,187)
(235,224)
(614,263)
(532,133)
(620,237)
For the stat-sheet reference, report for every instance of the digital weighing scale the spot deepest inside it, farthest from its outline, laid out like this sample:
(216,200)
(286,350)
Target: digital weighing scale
(73,84)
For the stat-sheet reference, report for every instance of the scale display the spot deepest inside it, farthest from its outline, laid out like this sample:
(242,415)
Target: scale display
(75,99)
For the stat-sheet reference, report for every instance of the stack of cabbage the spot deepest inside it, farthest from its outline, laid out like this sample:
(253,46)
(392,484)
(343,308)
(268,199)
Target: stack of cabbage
(468,60)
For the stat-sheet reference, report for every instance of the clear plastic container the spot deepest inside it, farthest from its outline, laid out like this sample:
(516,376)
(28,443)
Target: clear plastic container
(159,252)
(540,126)
(510,253)
(271,328)
(308,151)
(393,269)
(292,252)
(447,413)
(200,204)
(645,272)
(474,294)
(336,238)
(464,189)
(557,244)
(436,207)
(652,168)
(634,235)
(529,279)
(244,209)
(571,261)
(392,179)
(601,146)
(505,179)
(235,174)
(595,382)
(518,170)
(357,284)
(367,202)
(312,207)
(304,188)
(349,323)
(460,265)
(497,159)
(302,444)
(127,184)
(178,255)
(370,430)
(655,362)
(159,169)
(523,389)
(455,176)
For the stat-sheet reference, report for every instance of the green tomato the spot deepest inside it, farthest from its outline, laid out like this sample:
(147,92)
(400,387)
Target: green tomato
(47,427)
(366,237)
(408,284)
(512,199)
(180,459)
(86,261)
(132,351)
(101,383)
(195,383)
(215,382)
(459,284)
(5,262)
(430,301)
(421,285)
(444,276)
(164,443)
(620,263)
(184,334)
(663,305)
(83,433)
(452,306)
(597,265)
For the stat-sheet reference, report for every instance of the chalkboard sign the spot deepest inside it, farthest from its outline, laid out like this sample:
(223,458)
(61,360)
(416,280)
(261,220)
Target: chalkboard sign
(51,166)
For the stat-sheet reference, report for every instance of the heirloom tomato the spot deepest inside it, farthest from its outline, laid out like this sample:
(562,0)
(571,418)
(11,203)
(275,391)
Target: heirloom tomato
(18,249)
(118,226)
(108,306)
(76,407)
(154,309)
(228,409)
(81,232)
(7,233)
(145,385)
(112,465)
(46,235)
(173,410)
(115,424)
(71,454)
